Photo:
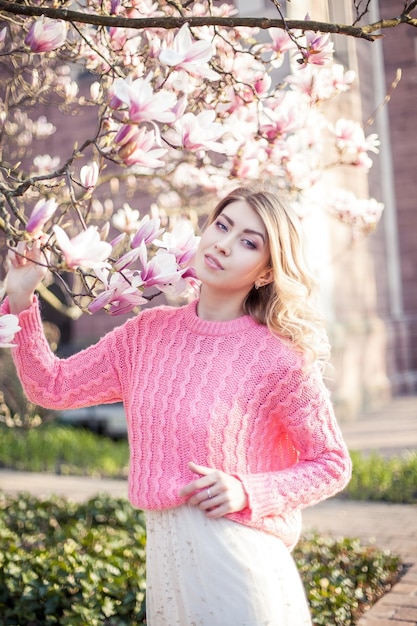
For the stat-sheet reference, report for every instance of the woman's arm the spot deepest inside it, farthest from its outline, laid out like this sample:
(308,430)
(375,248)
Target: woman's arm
(88,377)
(324,465)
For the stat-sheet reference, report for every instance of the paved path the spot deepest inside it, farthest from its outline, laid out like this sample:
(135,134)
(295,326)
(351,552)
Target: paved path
(391,431)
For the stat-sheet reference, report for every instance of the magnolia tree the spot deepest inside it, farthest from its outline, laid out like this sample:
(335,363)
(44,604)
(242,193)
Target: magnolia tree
(189,112)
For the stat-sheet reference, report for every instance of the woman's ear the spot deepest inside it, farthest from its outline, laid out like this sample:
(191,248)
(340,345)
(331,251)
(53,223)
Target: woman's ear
(266,277)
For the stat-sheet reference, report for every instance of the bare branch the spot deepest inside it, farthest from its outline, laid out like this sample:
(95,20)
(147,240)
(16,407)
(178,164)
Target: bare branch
(360,12)
(30,182)
(387,98)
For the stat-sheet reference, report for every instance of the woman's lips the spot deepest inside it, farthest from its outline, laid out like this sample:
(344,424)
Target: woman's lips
(212,262)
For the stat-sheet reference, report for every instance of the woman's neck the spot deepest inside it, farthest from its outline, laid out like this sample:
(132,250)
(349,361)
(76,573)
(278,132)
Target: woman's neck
(218,307)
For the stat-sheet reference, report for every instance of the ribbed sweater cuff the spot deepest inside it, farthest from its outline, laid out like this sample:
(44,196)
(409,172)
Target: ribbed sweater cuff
(261,501)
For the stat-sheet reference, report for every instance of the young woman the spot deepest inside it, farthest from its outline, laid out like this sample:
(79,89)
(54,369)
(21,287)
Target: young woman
(230,426)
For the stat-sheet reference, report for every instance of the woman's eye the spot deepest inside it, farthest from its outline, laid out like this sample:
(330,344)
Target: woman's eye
(249,244)
(221,226)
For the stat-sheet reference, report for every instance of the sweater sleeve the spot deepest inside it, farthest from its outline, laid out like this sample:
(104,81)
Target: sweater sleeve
(323,468)
(86,378)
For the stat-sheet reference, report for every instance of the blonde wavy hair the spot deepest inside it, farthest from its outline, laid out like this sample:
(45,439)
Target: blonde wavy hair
(286,305)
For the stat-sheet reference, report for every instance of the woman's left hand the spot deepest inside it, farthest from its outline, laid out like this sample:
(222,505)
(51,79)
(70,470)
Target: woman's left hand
(215,492)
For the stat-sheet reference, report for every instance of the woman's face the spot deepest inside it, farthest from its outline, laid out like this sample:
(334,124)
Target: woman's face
(233,253)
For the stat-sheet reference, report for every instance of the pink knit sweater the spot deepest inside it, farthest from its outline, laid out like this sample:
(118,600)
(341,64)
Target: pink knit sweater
(227,395)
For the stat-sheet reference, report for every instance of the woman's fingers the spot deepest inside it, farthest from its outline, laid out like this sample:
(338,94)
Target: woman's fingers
(216,492)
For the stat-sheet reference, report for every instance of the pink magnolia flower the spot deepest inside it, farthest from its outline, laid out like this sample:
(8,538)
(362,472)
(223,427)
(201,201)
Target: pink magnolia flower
(126,259)
(352,143)
(197,132)
(262,83)
(115,7)
(180,107)
(126,219)
(41,213)
(285,116)
(161,269)
(89,175)
(341,79)
(318,49)
(149,229)
(121,294)
(319,83)
(46,34)
(137,146)
(189,56)
(142,103)
(9,326)
(362,214)
(42,129)
(281,43)
(95,91)
(247,161)
(371,212)
(126,134)
(311,82)
(181,241)
(146,7)
(85,249)
(45,164)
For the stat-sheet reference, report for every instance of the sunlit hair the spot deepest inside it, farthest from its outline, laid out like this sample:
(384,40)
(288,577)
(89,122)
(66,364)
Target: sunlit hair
(286,305)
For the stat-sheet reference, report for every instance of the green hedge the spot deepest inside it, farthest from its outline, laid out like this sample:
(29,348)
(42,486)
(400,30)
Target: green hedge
(71,564)
(77,564)
(385,480)
(61,449)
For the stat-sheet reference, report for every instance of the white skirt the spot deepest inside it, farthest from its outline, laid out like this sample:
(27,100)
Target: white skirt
(203,572)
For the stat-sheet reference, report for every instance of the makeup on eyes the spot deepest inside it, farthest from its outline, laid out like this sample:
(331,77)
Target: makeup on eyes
(248,231)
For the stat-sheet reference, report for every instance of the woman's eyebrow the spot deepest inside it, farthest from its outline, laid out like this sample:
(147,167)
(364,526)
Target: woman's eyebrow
(247,230)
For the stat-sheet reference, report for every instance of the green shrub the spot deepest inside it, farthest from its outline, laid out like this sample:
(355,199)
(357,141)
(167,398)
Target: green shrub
(62,449)
(388,480)
(71,564)
(343,578)
(76,564)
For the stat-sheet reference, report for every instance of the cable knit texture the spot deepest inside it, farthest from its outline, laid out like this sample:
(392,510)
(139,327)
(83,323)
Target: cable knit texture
(227,395)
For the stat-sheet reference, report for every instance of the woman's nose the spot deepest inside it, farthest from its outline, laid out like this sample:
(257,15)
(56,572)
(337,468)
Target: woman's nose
(223,246)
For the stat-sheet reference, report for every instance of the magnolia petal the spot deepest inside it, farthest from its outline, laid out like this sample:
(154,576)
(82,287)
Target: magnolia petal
(171,57)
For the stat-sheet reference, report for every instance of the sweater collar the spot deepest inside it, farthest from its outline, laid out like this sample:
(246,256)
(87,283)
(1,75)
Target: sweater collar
(206,327)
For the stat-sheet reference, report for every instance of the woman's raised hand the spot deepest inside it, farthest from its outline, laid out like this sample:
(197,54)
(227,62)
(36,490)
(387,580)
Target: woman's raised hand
(28,264)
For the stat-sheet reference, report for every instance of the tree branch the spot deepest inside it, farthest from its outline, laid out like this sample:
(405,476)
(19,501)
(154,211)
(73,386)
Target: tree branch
(168,23)
(404,18)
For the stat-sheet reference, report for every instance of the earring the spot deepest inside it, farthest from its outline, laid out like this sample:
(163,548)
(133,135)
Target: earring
(256,286)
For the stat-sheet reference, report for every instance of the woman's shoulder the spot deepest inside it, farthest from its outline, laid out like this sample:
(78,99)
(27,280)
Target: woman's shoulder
(280,347)
(281,359)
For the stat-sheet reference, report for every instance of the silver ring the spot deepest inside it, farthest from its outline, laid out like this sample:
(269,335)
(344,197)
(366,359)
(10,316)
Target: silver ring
(209,494)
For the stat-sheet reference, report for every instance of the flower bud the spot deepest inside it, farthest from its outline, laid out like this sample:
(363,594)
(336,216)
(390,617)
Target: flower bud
(42,211)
